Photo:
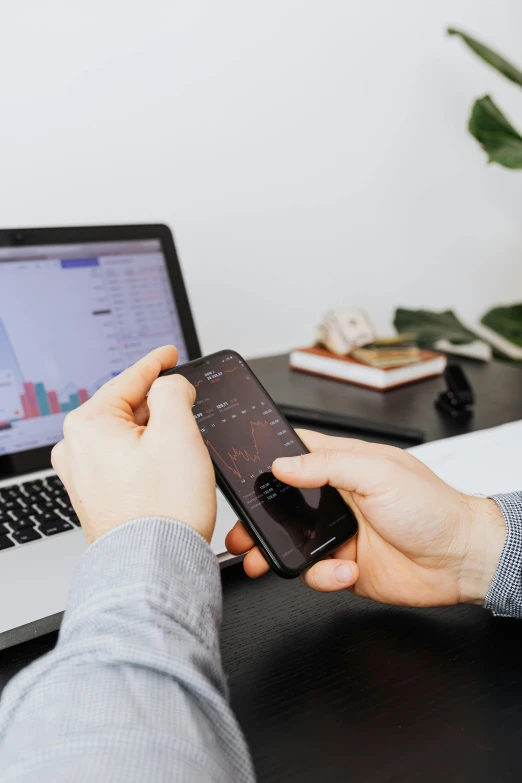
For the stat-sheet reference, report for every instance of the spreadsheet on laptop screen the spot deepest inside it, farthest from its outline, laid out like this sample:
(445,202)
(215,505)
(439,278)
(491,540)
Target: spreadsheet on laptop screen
(71,318)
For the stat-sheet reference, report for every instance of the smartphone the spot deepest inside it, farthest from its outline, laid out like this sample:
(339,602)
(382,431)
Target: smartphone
(244,433)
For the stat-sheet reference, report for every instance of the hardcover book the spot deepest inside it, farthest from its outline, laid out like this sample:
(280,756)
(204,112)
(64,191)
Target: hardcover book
(319,361)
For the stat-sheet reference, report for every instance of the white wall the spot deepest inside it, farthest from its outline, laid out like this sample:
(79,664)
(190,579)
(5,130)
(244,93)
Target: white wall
(305,153)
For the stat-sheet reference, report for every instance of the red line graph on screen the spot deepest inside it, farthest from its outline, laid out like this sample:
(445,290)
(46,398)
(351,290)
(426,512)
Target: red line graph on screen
(233,370)
(198,383)
(237,454)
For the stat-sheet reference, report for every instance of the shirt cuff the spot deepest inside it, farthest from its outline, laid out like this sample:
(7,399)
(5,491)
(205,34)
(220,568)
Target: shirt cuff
(159,565)
(504,596)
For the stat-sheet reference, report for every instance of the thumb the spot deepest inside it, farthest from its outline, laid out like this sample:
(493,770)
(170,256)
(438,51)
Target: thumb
(170,402)
(328,576)
(351,471)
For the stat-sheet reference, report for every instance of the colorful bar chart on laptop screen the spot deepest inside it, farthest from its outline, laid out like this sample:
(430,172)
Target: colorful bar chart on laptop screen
(72,318)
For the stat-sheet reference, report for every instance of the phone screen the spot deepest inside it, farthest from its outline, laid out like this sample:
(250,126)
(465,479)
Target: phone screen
(244,433)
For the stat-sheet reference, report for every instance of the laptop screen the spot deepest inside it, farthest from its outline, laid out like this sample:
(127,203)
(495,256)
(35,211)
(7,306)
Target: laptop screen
(71,318)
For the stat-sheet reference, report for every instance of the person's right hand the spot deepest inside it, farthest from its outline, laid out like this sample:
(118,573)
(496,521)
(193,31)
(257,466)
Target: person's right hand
(420,542)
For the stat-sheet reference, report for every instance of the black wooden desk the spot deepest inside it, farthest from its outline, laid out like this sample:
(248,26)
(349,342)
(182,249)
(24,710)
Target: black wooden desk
(336,688)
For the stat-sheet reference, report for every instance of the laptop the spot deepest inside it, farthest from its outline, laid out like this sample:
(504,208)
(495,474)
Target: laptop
(77,306)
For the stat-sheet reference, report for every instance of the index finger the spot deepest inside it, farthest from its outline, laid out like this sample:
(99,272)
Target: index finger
(317,440)
(129,389)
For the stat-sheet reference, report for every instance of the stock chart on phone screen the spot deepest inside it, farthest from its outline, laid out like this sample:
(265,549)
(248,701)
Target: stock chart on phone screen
(241,429)
(244,434)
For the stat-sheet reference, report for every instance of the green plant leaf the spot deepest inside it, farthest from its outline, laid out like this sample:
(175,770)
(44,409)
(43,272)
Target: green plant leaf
(430,326)
(496,61)
(500,140)
(506,321)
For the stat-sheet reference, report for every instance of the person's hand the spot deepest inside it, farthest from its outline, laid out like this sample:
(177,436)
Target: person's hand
(420,542)
(125,455)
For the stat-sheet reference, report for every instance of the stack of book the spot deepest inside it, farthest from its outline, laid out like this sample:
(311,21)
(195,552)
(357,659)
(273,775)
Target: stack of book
(319,361)
(385,363)
(348,349)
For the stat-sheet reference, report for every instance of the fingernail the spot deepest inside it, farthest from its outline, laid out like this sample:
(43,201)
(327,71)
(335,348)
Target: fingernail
(288,464)
(343,574)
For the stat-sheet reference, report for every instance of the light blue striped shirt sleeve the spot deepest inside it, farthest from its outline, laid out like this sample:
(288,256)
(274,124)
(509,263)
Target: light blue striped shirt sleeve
(134,690)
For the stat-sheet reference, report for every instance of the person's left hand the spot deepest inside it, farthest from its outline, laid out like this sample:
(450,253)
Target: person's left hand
(127,455)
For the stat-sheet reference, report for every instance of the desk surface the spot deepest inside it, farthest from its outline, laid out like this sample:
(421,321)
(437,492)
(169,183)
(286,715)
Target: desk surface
(497,387)
(334,687)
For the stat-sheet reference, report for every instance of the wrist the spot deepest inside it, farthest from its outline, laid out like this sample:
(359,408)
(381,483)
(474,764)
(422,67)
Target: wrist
(484,540)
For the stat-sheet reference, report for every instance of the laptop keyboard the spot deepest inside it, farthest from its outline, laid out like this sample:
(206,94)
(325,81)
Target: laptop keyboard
(33,510)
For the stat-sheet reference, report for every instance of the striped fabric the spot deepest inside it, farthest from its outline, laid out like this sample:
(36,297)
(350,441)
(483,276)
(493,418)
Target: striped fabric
(134,690)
